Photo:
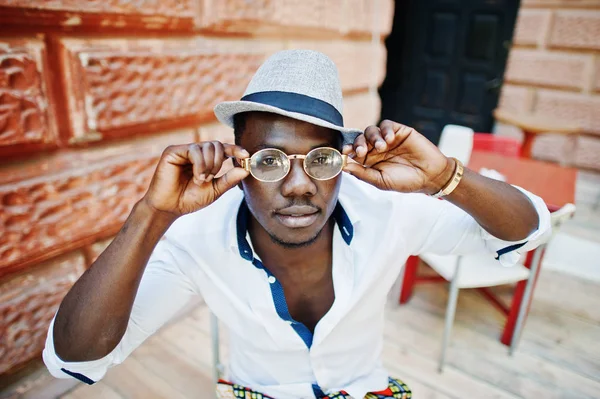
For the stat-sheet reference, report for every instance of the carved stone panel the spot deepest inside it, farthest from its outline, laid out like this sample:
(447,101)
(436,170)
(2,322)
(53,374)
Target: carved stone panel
(76,203)
(75,14)
(124,87)
(25,118)
(27,304)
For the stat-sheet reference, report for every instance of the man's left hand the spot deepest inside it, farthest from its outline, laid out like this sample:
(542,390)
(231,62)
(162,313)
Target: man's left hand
(396,157)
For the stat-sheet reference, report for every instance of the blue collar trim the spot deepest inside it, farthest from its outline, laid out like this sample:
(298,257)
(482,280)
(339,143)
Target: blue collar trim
(344,223)
(242,229)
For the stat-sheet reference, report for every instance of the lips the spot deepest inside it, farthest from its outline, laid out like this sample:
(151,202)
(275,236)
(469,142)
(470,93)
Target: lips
(297,216)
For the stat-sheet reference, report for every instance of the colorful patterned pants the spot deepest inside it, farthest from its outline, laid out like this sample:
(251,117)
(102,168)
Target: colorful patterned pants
(396,390)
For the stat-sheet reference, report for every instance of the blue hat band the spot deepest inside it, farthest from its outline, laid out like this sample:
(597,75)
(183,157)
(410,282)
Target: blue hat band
(299,103)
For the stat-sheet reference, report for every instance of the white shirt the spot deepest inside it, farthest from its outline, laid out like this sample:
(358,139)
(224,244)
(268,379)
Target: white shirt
(209,253)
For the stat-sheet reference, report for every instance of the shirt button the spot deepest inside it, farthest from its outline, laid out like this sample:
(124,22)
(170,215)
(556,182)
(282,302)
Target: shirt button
(272,279)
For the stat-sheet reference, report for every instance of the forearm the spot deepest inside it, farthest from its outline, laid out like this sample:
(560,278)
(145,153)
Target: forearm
(93,317)
(499,208)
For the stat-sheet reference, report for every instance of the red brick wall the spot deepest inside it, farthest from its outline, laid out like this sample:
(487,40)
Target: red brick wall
(554,71)
(92,91)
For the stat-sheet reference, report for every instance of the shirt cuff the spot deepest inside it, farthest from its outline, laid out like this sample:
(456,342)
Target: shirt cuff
(87,372)
(508,253)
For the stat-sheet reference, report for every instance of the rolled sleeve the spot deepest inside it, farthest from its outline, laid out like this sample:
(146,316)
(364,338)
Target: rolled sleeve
(87,372)
(508,253)
(163,291)
(444,229)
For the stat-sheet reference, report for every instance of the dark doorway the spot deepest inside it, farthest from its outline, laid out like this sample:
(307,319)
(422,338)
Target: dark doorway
(446,59)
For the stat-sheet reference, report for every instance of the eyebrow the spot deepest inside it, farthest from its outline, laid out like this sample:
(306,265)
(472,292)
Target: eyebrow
(263,146)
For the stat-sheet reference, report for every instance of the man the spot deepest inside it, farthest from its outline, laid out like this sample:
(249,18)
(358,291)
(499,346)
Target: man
(298,261)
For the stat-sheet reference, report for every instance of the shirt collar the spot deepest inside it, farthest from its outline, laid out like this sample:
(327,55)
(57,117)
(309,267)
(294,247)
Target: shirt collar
(238,228)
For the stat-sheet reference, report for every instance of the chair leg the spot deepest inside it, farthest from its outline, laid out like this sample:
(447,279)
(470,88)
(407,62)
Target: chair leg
(216,358)
(518,296)
(526,302)
(511,320)
(450,312)
(408,279)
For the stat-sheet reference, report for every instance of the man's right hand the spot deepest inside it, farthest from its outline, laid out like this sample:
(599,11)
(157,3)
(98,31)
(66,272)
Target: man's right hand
(184,178)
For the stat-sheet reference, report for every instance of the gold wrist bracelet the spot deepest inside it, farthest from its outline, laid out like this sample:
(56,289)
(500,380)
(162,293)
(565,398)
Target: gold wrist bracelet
(453,183)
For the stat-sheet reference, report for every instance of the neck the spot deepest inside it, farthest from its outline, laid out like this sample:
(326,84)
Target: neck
(284,260)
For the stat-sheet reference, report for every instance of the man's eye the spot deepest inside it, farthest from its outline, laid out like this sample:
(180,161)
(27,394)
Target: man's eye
(270,161)
(320,160)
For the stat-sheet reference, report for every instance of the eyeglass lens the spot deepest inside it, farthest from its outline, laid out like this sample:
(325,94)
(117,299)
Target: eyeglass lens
(269,165)
(323,163)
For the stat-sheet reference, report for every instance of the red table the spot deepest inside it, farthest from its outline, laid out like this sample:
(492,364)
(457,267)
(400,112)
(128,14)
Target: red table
(555,184)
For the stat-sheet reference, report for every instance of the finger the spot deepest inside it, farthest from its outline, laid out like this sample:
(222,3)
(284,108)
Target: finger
(388,130)
(229,180)
(374,137)
(208,153)
(177,154)
(235,151)
(397,131)
(194,155)
(360,147)
(347,149)
(368,175)
(227,165)
(218,159)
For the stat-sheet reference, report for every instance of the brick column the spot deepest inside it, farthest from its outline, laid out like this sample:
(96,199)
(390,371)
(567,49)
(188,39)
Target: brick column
(554,71)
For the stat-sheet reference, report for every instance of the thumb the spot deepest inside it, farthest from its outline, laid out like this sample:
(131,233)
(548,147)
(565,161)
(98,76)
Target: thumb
(368,175)
(229,180)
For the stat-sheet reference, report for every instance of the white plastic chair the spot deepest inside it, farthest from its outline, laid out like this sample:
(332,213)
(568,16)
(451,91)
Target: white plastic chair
(475,271)
(457,141)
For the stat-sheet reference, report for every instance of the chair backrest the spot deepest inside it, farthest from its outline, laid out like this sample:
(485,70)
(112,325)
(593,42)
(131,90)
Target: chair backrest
(457,141)
(562,215)
(488,142)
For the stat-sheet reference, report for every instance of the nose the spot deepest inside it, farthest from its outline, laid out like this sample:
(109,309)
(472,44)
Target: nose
(297,183)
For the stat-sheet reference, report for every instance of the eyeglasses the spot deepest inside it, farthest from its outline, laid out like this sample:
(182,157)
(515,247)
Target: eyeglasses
(271,164)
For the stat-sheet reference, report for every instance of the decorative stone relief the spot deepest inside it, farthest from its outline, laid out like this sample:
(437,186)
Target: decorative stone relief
(24,118)
(27,304)
(125,87)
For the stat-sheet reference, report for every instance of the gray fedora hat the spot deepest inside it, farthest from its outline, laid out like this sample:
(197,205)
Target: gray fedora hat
(299,84)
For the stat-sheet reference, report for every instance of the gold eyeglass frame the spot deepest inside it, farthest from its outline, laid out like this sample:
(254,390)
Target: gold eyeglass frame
(245,163)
